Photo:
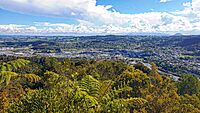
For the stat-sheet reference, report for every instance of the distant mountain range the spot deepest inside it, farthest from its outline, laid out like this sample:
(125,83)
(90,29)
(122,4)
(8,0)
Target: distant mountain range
(149,34)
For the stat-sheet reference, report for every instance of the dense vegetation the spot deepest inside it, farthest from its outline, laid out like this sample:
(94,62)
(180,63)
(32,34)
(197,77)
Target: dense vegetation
(54,85)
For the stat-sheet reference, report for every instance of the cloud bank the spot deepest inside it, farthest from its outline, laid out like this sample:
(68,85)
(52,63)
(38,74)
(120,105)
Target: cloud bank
(100,18)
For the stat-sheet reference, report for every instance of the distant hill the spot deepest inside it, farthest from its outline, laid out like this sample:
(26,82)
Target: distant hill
(178,34)
(190,40)
(148,34)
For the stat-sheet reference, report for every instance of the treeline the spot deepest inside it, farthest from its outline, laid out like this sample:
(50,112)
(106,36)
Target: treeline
(52,85)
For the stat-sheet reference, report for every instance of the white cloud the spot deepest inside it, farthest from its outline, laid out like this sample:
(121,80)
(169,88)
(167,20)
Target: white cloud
(78,9)
(99,19)
(195,5)
(164,1)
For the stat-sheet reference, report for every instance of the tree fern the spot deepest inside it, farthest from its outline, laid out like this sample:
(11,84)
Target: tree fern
(30,77)
(5,76)
(15,64)
(90,85)
(6,73)
(125,105)
(104,89)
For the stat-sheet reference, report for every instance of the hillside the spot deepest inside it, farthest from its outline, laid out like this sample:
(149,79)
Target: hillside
(44,84)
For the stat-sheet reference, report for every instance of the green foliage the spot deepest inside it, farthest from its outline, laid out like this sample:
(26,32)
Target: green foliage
(85,86)
(4,102)
(142,67)
(6,73)
(154,69)
(188,84)
(10,82)
(15,64)
(5,76)
(90,85)
(52,80)
(193,100)
(39,101)
(30,77)
(125,105)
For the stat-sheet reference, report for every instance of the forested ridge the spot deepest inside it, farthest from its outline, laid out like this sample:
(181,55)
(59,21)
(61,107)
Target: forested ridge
(55,85)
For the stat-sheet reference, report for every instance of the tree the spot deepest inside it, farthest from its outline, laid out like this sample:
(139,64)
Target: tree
(6,73)
(188,84)
(88,87)
(156,78)
(154,69)
(142,67)
(11,82)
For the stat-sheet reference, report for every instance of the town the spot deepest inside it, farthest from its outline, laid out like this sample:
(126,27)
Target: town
(173,54)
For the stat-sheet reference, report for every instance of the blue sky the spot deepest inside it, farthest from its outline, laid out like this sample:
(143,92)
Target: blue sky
(9,17)
(141,6)
(99,16)
(122,6)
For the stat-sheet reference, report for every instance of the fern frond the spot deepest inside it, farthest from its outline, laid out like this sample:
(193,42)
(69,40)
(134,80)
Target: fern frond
(104,88)
(31,77)
(90,85)
(18,63)
(3,68)
(15,64)
(136,101)
(5,76)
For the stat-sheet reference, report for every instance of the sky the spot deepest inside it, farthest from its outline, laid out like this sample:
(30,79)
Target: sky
(99,16)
